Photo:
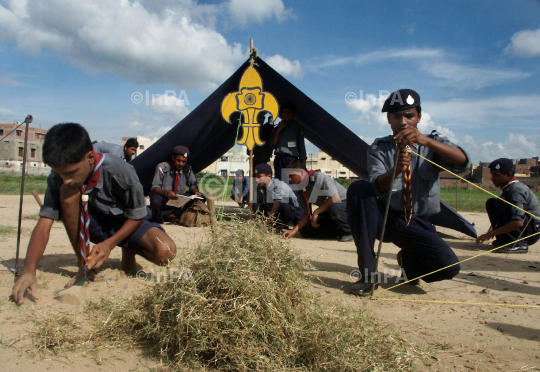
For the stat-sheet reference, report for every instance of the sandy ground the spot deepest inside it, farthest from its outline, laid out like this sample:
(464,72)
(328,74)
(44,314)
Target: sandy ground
(473,331)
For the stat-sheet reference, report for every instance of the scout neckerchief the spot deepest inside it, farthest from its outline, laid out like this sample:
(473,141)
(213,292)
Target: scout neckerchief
(309,173)
(84,226)
(175,186)
(407,193)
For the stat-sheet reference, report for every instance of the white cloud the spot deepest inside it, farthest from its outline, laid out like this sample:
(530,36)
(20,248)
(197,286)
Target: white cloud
(144,45)
(7,81)
(525,44)
(173,108)
(285,67)
(249,11)
(4,111)
(446,68)
(516,146)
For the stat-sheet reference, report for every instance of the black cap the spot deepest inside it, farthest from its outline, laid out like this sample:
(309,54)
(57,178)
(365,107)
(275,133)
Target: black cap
(239,173)
(502,165)
(181,150)
(400,100)
(262,168)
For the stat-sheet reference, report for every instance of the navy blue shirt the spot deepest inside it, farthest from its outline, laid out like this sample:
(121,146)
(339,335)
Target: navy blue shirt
(291,142)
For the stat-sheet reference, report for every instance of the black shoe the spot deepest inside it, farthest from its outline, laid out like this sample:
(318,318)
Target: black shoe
(361,288)
(521,249)
(399,259)
(346,238)
(414,282)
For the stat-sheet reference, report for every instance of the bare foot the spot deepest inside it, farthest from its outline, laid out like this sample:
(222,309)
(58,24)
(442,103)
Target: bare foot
(129,264)
(81,274)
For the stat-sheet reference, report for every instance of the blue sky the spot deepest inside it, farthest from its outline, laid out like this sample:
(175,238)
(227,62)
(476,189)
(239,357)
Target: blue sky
(474,63)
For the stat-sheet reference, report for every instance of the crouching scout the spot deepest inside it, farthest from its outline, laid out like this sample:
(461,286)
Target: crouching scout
(99,199)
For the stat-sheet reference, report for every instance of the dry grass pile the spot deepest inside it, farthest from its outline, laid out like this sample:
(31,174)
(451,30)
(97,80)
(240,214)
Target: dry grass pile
(248,306)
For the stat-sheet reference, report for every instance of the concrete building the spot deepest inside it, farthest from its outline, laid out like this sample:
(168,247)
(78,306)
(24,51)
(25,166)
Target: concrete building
(230,162)
(331,167)
(12,150)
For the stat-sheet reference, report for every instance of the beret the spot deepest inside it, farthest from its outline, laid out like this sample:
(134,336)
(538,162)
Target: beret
(400,100)
(181,150)
(502,165)
(263,168)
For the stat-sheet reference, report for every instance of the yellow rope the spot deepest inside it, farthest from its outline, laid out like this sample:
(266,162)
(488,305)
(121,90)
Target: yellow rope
(469,182)
(467,259)
(455,302)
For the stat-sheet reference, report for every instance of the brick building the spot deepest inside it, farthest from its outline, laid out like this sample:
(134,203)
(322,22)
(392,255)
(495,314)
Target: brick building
(12,149)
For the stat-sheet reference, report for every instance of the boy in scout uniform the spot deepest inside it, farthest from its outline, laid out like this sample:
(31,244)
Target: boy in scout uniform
(240,189)
(422,250)
(329,220)
(275,197)
(99,199)
(509,223)
(125,152)
(171,179)
(288,140)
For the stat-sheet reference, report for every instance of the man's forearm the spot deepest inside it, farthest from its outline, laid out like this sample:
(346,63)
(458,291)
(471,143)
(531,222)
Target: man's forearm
(334,199)
(506,228)
(450,153)
(38,243)
(127,229)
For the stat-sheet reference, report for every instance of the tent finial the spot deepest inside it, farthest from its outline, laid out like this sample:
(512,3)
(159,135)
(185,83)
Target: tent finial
(252,52)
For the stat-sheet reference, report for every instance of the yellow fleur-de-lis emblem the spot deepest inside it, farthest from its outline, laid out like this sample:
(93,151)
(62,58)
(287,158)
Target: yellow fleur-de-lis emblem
(250,100)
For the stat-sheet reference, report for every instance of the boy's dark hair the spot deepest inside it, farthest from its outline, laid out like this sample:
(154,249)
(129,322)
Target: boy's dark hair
(65,144)
(297,163)
(132,142)
(419,109)
(289,105)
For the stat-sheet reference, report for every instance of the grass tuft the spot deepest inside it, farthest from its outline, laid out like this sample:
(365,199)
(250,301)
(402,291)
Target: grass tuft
(247,305)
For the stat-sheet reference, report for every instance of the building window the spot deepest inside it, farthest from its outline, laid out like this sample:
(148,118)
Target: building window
(328,172)
(323,158)
(141,147)
(19,133)
(1,132)
(21,151)
(223,172)
(33,153)
(224,158)
(342,172)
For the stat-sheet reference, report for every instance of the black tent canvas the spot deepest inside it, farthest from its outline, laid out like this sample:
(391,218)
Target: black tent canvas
(208,135)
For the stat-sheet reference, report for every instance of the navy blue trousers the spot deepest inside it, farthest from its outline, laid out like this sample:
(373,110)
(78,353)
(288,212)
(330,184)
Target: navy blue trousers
(280,162)
(332,223)
(500,214)
(423,251)
(286,212)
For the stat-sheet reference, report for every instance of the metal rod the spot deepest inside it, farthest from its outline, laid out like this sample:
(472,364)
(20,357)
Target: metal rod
(251,181)
(28,120)
(386,210)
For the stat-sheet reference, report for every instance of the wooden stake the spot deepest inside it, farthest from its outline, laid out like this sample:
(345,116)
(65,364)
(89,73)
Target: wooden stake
(28,120)
(250,46)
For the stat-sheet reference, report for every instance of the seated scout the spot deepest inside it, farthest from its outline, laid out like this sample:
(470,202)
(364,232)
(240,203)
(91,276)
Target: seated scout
(125,152)
(240,189)
(329,220)
(100,196)
(274,197)
(171,179)
(509,223)
(422,250)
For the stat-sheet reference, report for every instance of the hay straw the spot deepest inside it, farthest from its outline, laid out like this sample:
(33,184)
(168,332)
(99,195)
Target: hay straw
(248,306)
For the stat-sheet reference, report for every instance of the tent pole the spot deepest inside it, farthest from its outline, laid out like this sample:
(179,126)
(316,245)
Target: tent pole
(250,46)
(28,120)
(251,181)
